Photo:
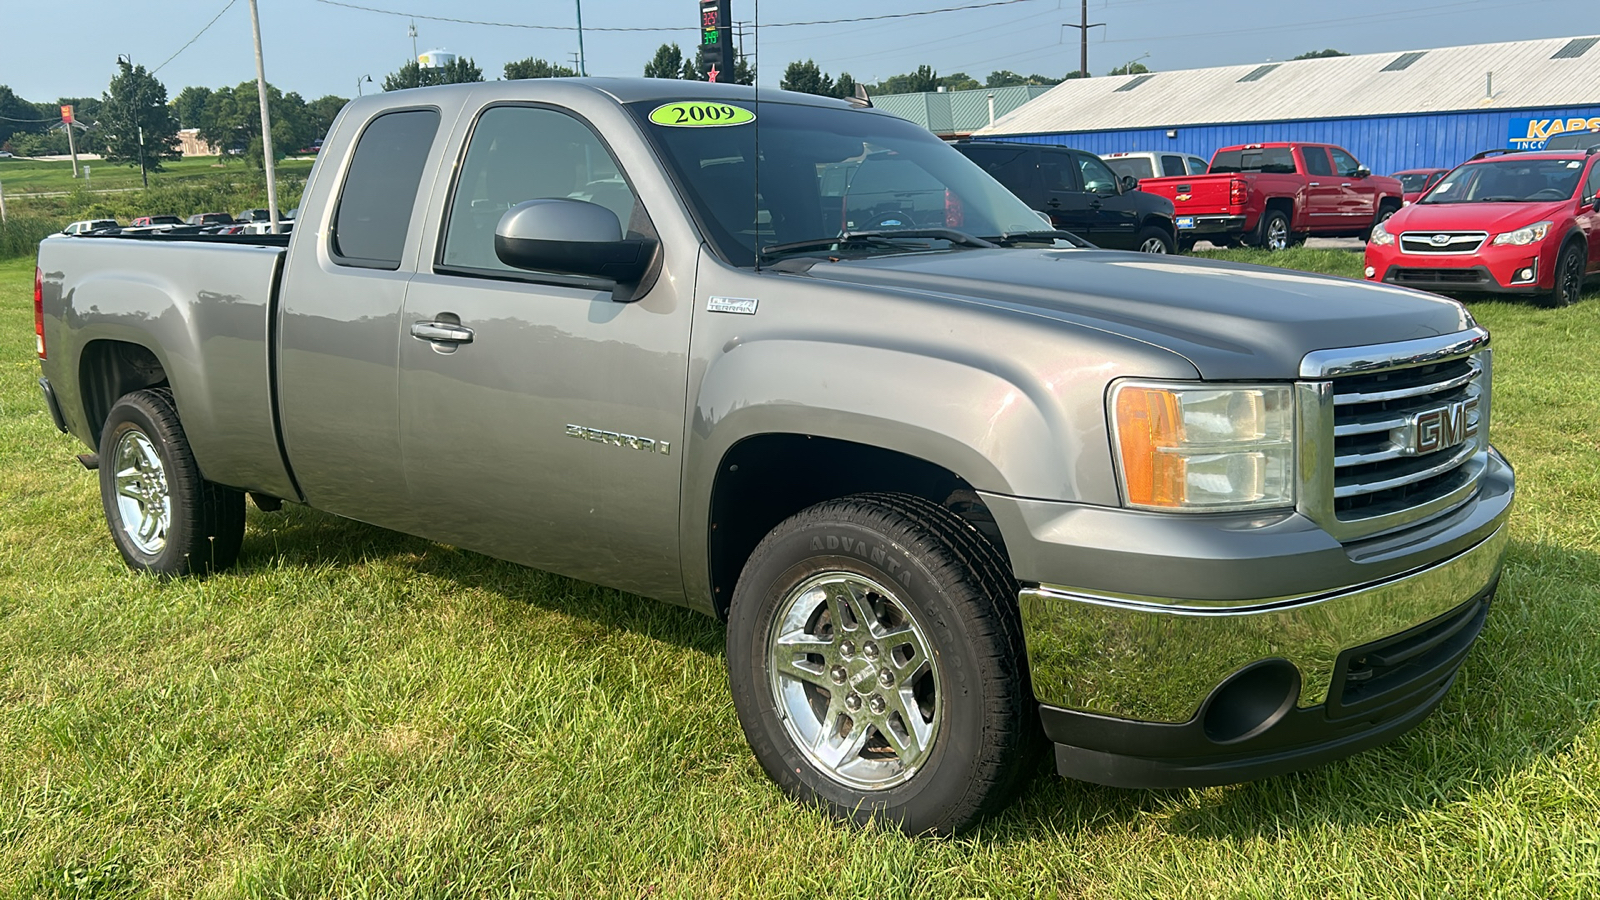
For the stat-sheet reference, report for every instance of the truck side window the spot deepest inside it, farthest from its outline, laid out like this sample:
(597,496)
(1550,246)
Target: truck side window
(1172,165)
(374,212)
(1316,161)
(520,153)
(1197,166)
(1344,163)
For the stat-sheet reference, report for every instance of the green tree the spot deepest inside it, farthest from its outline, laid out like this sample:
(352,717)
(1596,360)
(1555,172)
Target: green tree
(536,68)
(743,72)
(807,78)
(669,63)
(190,106)
(1007,78)
(461,71)
(16,113)
(320,114)
(960,81)
(924,79)
(1130,69)
(844,86)
(136,102)
(1322,54)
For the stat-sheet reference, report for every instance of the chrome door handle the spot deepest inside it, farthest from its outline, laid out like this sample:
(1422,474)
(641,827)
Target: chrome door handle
(1315,184)
(442,332)
(1346,184)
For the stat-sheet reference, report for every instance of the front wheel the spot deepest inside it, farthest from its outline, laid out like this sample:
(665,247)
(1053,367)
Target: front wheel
(1155,240)
(1570,267)
(877,666)
(165,518)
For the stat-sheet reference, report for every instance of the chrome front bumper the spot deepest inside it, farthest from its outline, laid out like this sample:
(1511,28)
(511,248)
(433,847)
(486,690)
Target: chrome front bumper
(1155,660)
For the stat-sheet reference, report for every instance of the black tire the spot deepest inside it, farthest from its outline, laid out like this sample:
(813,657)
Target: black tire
(1385,212)
(1570,266)
(1272,231)
(143,448)
(1186,246)
(1151,237)
(959,590)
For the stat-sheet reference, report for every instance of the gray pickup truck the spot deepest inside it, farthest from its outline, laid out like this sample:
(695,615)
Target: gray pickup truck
(956,482)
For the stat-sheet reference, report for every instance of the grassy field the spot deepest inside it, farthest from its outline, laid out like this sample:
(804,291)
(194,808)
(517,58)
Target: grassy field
(356,713)
(33,176)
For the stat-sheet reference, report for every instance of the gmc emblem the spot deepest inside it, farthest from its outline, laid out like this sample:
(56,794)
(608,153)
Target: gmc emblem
(1439,429)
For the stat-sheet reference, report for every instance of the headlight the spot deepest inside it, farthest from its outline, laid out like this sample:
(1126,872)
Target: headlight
(1205,449)
(1524,236)
(1380,236)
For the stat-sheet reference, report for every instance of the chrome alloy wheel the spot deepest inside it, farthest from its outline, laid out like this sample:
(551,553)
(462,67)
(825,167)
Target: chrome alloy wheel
(144,505)
(1153,245)
(853,679)
(1278,235)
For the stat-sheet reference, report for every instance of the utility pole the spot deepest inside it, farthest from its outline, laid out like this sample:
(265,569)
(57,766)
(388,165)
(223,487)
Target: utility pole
(574,58)
(142,173)
(413,31)
(1083,37)
(582,71)
(266,121)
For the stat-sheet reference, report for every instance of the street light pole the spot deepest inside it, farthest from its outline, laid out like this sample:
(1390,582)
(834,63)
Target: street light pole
(266,122)
(365,78)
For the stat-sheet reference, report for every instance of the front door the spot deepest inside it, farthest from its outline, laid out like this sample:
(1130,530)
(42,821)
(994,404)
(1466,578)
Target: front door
(1113,215)
(1588,217)
(542,421)
(1359,199)
(1065,201)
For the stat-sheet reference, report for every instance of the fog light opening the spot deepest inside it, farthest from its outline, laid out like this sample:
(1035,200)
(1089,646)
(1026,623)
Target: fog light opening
(1371,271)
(1250,701)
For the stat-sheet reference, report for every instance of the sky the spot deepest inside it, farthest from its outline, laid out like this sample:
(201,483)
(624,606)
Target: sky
(315,47)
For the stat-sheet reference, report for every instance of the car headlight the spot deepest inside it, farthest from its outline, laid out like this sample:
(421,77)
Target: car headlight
(1380,236)
(1204,449)
(1524,236)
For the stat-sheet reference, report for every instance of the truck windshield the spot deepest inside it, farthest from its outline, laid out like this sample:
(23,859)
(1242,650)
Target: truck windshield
(1509,181)
(826,172)
(1412,182)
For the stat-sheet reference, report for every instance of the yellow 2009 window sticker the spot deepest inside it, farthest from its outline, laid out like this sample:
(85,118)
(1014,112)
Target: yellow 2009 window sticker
(686,114)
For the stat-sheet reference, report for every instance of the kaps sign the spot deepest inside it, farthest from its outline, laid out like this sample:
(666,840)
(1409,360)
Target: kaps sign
(1530,134)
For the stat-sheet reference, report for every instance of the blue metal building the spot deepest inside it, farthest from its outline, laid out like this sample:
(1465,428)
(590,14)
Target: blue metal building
(1394,111)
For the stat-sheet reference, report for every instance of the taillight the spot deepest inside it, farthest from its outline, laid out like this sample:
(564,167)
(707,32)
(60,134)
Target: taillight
(38,308)
(1238,192)
(955,214)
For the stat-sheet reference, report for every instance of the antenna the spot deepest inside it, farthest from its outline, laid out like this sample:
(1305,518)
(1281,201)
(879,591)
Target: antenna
(756,83)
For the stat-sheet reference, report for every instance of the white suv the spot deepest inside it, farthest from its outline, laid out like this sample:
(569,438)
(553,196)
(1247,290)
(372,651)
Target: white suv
(1153,164)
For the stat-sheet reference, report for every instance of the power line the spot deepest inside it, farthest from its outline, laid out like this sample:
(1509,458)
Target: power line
(881,17)
(196,37)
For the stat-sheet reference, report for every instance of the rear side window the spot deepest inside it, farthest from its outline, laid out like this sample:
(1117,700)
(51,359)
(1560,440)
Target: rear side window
(1172,165)
(374,212)
(1316,161)
(1011,166)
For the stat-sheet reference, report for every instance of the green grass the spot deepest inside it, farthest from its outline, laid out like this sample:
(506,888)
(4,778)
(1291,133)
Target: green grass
(37,176)
(352,712)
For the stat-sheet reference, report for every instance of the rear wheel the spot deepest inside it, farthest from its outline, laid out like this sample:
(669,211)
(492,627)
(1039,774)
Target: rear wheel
(1272,232)
(877,666)
(1155,240)
(164,517)
(1570,267)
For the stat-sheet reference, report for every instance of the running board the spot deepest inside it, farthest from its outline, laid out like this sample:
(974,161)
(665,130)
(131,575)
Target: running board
(91,461)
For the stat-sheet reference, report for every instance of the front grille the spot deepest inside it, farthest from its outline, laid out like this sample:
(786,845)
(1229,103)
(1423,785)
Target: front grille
(1459,242)
(1437,276)
(1407,437)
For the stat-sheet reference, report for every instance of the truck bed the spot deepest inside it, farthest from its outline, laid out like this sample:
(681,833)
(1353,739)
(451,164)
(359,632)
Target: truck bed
(202,305)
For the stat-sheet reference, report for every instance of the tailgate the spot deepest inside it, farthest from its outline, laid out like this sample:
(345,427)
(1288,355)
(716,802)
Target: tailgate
(1194,194)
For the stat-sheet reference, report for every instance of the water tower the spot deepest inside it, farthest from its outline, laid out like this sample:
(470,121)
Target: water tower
(436,59)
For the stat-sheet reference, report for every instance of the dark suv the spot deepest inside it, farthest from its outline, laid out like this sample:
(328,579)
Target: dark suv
(1080,194)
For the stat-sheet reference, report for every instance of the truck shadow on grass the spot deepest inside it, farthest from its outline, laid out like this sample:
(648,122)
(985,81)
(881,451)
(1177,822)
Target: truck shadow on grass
(1523,696)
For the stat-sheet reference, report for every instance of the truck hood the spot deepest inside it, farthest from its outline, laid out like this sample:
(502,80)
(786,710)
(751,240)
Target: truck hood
(1231,321)
(1494,218)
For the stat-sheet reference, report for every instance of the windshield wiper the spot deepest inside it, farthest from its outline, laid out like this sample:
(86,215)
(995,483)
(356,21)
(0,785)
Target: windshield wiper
(1500,200)
(879,239)
(1011,238)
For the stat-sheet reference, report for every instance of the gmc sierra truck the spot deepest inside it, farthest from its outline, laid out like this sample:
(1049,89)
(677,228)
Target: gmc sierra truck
(954,490)
(1276,195)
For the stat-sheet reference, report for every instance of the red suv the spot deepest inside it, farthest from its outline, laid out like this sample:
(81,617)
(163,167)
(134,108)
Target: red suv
(1417,181)
(1518,223)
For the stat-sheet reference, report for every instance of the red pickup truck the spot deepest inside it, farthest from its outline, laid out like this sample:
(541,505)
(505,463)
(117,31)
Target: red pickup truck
(1275,195)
